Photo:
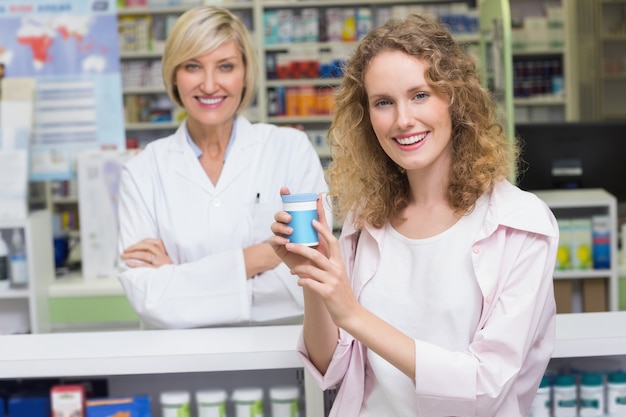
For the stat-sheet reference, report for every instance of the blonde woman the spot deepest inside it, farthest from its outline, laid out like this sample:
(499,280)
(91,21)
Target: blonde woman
(196,207)
(437,299)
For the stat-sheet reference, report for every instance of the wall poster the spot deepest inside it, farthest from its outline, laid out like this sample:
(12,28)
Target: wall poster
(70,49)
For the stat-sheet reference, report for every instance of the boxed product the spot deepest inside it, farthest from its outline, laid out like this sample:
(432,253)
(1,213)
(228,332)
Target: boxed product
(68,400)
(594,295)
(24,405)
(135,406)
(601,237)
(581,243)
(564,251)
(564,294)
(98,188)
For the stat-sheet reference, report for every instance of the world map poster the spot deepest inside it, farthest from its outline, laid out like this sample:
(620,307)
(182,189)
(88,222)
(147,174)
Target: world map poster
(70,48)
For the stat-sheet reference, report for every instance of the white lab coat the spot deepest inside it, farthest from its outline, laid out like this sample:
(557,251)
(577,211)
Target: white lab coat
(165,194)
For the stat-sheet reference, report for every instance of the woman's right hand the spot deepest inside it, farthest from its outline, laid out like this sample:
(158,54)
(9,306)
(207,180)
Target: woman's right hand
(282,231)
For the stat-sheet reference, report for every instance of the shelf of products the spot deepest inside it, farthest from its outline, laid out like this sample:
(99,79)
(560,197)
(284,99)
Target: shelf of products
(543,82)
(589,282)
(301,44)
(24,295)
(611,28)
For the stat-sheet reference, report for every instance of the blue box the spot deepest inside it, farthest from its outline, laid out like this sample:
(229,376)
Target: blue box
(26,405)
(136,406)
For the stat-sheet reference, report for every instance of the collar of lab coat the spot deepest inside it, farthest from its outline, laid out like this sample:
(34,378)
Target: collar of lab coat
(241,157)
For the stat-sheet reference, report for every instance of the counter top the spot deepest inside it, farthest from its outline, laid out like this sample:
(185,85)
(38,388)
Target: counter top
(233,348)
(74,285)
(149,351)
(590,334)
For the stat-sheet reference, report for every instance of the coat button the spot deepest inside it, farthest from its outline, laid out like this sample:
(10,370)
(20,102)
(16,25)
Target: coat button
(489,299)
(216,202)
(476,249)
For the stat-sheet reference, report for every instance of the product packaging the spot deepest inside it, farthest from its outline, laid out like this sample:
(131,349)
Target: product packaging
(68,400)
(211,403)
(303,210)
(248,402)
(285,401)
(137,406)
(175,403)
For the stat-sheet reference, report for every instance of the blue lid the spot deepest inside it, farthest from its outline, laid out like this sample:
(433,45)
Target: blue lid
(299,198)
(617,377)
(592,379)
(565,381)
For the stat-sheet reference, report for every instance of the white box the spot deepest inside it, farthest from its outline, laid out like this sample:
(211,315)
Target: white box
(98,190)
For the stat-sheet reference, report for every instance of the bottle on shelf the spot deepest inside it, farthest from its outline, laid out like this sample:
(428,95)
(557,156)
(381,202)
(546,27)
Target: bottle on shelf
(4,263)
(19,269)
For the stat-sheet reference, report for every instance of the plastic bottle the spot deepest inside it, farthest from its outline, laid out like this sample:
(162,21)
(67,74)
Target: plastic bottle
(285,401)
(565,400)
(616,394)
(211,403)
(4,263)
(175,403)
(248,402)
(591,402)
(19,267)
(541,403)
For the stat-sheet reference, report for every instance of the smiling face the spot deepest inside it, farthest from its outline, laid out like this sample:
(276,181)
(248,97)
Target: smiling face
(211,86)
(411,121)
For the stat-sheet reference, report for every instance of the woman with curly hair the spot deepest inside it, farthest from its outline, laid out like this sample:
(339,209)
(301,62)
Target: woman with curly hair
(437,299)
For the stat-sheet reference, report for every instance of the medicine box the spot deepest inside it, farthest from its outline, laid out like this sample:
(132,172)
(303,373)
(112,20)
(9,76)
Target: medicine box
(68,400)
(135,406)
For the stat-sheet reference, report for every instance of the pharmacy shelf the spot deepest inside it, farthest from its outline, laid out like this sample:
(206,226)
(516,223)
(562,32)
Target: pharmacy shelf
(24,309)
(585,202)
(156,353)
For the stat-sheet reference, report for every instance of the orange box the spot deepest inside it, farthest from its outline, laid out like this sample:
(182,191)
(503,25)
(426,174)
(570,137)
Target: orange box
(308,101)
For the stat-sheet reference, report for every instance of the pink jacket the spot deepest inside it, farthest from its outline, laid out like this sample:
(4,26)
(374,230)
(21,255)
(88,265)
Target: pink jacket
(500,371)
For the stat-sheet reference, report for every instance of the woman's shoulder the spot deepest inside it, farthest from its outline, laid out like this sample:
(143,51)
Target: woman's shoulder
(522,209)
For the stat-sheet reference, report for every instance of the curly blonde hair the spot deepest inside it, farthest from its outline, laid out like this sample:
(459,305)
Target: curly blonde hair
(361,175)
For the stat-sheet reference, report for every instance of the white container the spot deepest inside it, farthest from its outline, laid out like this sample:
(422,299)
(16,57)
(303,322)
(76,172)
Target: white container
(285,401)
(175,403)
(565,399)
(616,394)
(211,403)
(541,403)
(591,401)
(248,402)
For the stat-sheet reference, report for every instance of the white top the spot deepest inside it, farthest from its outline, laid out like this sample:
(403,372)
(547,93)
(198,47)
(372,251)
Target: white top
(432,280)
(165,194)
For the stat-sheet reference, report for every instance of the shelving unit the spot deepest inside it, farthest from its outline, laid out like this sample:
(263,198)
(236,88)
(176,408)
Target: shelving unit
(611,35)
(254,14)
(25,309)
(585,203)
(545,81)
